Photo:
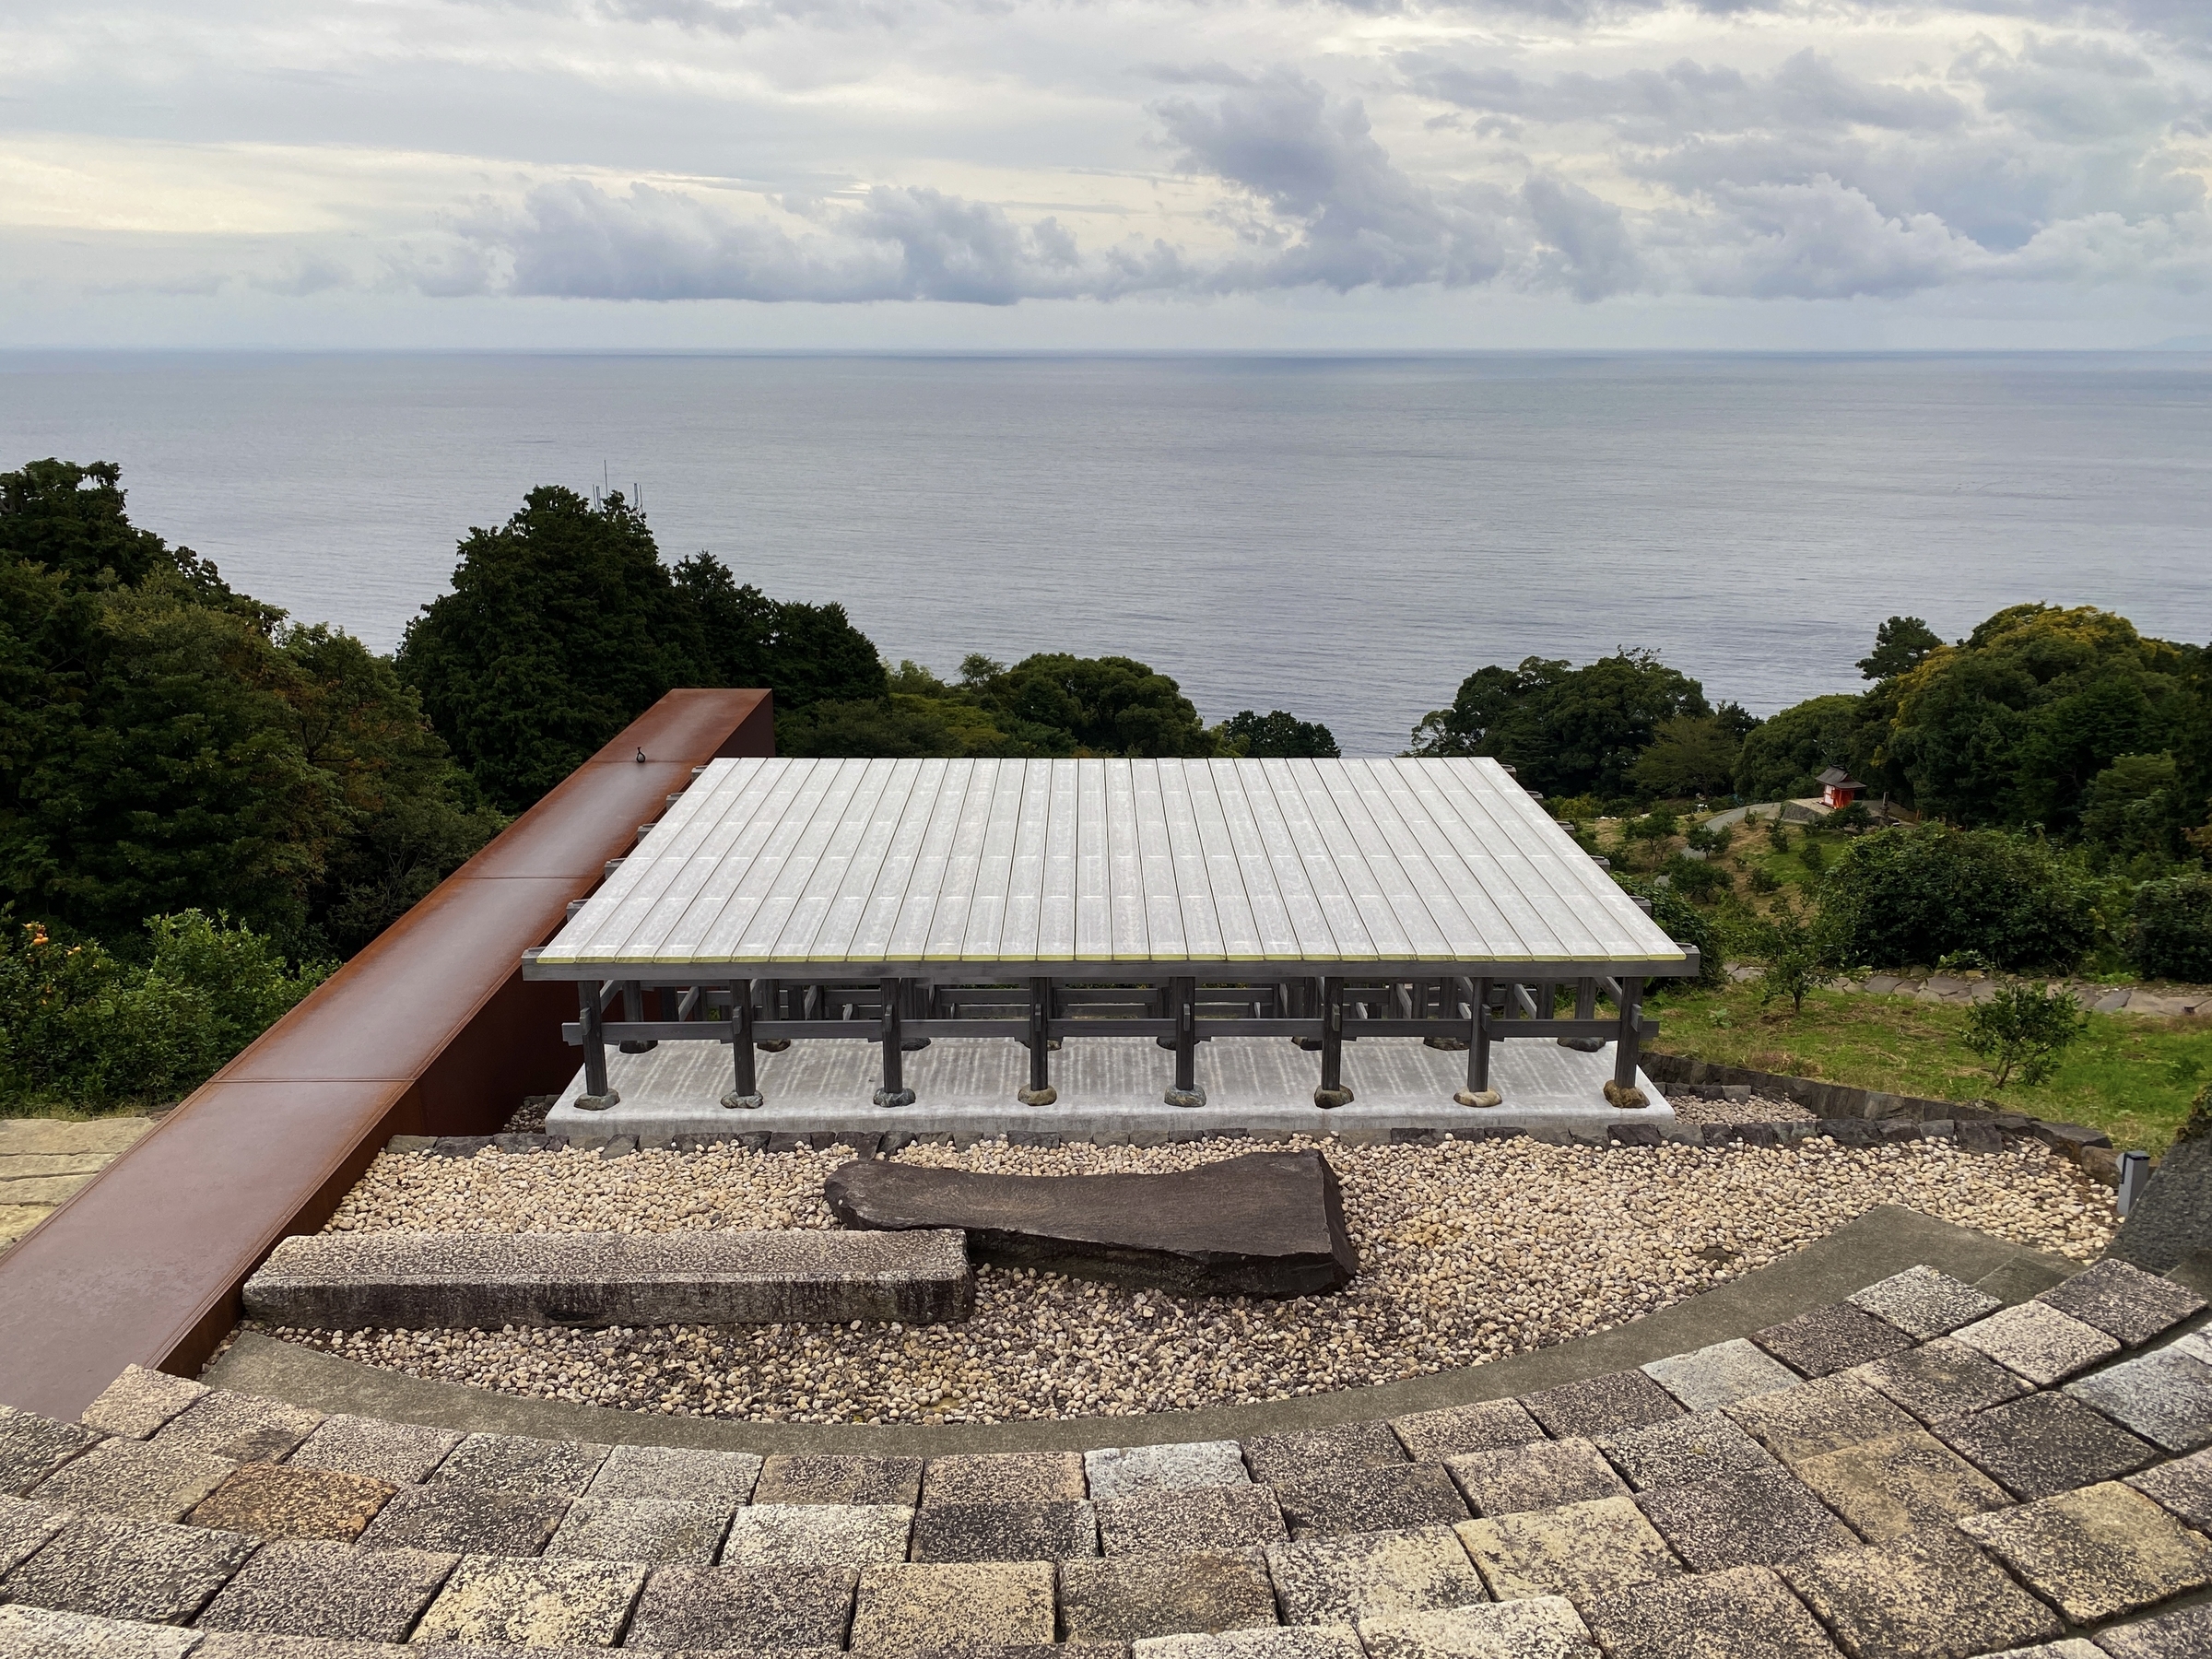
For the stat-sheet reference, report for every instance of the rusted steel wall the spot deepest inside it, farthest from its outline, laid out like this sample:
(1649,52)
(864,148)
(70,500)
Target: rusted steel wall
(430,1031)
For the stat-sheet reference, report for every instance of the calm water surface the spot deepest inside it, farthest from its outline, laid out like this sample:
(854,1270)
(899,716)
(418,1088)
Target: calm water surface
(1342,538)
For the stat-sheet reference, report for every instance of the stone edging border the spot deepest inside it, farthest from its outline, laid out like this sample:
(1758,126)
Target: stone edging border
(1841,1102)
(1882,1242)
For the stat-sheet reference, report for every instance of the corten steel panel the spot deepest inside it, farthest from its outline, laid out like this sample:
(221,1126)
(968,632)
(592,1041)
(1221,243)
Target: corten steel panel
(430,1029)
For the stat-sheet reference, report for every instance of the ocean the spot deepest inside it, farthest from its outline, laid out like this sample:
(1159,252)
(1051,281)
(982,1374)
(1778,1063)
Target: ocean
(1345,538)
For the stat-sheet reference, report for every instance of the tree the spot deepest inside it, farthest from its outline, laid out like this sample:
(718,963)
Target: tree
(1107,705)
(2013,724)
(1799,951)
(1565,731)
(1915,895)
(2173,928)
(1898,645)
(1689,756)
(1783,759)
(564,625)
(2024,1027)
(1276,736)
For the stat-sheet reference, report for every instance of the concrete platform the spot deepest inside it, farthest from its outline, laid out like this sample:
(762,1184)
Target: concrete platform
(484,1281)
(1110,1090)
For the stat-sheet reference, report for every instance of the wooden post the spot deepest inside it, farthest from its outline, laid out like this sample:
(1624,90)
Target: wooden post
(633,1010)
(1478,1092)
(1182,997)
(597,1095)
(771,1004)
(894,1091)
(1040,1091)
(1332,1092)
(745,1091)
(1622,1091)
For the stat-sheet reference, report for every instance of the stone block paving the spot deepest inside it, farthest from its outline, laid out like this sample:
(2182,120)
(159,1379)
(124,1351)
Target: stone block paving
(1578,1550)
(723,1478)
(1134,1598)
(836,1478)
(1720,1375)
(1941,1378)
(1924,1303)
(1932,1595)
(1183,1520)
(2125,1302)
(308,1587)
(833,1535)
(2036,1341)
(42,1633)
(273,1501)
(1541,1475)
(1907,1472)
(1389,1498)
(1435,1436)
(32,1447)
(536,1604)
(1122,1471)
(1830,1339)
(517,1463)
(2043,1445)
(402,1454)
(1536,1627)
(2165,1396)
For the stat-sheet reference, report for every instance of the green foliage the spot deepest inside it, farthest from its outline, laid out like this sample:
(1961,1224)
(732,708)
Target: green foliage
(2013,725)
(1698,880)
(1106,705)
(1916,894)
(2136,810)
(1276,736)
(564,626)
(1565,731)
(1798,950)
(80,1025)
(166,743)
(1812,855)
(1651,833)
(1782,760)
(1900,646)
(2024,1028)
(2173,929)
(1764,880)
(1686,924)
(1705,838)
(1690,755)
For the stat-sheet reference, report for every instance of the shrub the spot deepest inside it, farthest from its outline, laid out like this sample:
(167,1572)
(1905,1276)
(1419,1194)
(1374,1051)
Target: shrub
(1696,879)
(79,1024)
(1686,924)
(1918,894)
(1765,881)
(2173,929)
(1799,951)
(1812,855)
(2024,1028)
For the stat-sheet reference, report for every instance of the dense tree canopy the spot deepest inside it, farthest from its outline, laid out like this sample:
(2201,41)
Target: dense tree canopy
(1276,735)
(564,625)
(1565,731)
(167,744)
(1782,760)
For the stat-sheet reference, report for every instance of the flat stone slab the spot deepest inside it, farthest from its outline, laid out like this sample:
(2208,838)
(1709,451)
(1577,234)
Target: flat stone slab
(24,1529)
(1341,1581)
(1685,1450)
(534,1604)
(1435,1436)
(780,1610)
(146,1570)
(2043,1445)
(1535,1626)
(1887,1488)
(840,1478)
(1133,1598)
(1746,1613)
(1290,1641)
(140,1401)
(1720,1375)
(904,1612)
(1923,1302)
(1304,1452)
(1542,1475)
(1122,1471)
(1382,1499)
(1930,1593)
(402,1454)
(42,1633)
(826,1534)
(1759,1518)
(2038,1342)
(1022,1530)
(1180,1520)
(135,1478)
(640,1529)
(274,1500)
(299,1587)
(1578,1550)
(725,1478)
(32,1447)
(2096,1553)
(1940,1379)
(483,1281)
(2123,1302)
(1266,1224)
(2166,1397)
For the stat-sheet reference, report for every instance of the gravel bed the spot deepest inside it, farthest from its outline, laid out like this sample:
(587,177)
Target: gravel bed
(1469,1251)
(1757,1110)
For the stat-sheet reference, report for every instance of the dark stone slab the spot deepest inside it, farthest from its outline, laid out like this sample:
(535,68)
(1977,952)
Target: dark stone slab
(1747,1613)
(1054,1530)
(32,1447)
(2172,1219)
(2163,1636)
(2123,1302)
(147,1571)
(1261,1224)
(1129,1599)
(1930,1593)
(464,1521)
(2044,1444)
(1830,1339)
(1504,1480)
(1612,1404)
(1757,1518)
(1704,1446)
(1003,1477)
(300,1587)
(832,1478)
(1278,1459)
(2184,1486)
(1381,1500)
(1941,1378)
(762,1610)
(1433,1436)
(24,1529)
(1184,1520)
(520,1462)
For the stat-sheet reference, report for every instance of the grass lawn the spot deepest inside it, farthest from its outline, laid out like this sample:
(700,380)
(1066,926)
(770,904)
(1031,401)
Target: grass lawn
(2132,1077)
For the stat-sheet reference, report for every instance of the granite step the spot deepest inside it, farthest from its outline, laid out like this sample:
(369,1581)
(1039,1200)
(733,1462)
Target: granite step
(424,1280)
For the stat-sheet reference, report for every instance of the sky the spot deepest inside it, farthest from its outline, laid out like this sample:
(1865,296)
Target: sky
(1110,175)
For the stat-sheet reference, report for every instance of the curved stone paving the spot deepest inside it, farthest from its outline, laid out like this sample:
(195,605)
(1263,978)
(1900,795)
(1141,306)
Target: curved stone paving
(1916,1469)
